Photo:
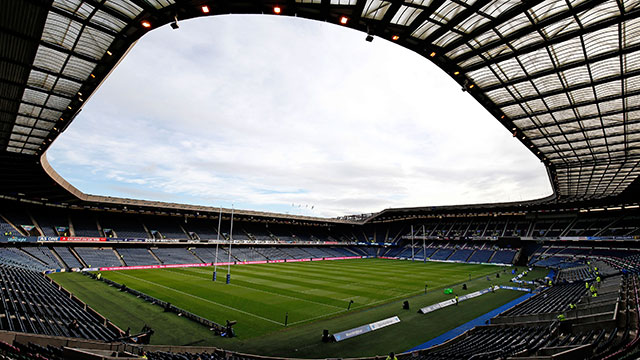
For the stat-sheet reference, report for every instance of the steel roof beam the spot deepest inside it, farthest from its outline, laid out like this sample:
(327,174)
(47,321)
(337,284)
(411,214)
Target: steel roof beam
(460,17)
(565,67)
(547,41)
(499,20)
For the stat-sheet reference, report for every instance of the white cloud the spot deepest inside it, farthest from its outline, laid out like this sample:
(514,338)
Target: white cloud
(266,112)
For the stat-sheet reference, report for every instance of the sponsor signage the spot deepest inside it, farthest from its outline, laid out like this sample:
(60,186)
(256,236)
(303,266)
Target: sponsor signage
(48,238)
(366,328)
(514,288)
(82,239)
(517,281)
(19,239)
(581,238)
(443,304)
(145,267)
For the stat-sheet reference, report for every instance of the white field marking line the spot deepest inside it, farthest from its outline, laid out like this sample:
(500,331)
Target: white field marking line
(317,317)
(346,282)
(361,306)
(264,291)
(376,302)
(203,299)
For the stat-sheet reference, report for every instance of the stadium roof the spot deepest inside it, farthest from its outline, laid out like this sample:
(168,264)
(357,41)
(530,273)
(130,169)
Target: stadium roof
(562,75)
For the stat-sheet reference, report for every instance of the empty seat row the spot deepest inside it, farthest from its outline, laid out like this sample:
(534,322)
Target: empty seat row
(32,304)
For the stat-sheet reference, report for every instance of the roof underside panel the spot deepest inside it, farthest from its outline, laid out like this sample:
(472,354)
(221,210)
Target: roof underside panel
(565,73)
(562,75)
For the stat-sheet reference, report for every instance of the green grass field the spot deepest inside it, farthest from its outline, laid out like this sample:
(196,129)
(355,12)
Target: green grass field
(314,294)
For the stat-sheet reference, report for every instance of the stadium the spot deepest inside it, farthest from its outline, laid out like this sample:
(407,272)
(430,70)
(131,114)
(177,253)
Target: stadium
(94,277)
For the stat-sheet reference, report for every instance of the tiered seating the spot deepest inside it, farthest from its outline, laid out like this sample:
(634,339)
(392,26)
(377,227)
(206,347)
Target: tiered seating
(14,257)
(31,351)
(22,220)
(32,304)
(418,252)
(557,298)
(461,255)
(67,257)
(360,250)
(240,235)
(442,254)
(44,254)
(455,251)
(175,256)
(84,225)
(394,252)
(552,261)
(209,254)
(98,257)
(429,252)
(556,262)
(272,253)
(245,254)
(481,256)
(206,229)
(572,251)
(7,228)
(168,227)
(488,342)
(317,252)
(338,251)
(580,273)
(296,253)
(125,226)
(137,256)
(49,221)
(503,257)
(604,268)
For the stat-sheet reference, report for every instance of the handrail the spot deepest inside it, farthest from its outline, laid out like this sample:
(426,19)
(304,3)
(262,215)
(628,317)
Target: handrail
(635,339)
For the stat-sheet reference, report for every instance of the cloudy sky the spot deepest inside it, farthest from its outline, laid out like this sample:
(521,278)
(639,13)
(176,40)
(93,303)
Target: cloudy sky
(282,114)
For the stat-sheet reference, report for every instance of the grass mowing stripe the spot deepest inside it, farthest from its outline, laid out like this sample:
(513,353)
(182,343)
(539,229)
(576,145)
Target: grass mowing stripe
(409,295)
(263,282)
(410,274)
(358,307)
(126,310)
(266,306)
(336,276)
(259,290)
(318,278)
(312,284)
(252,286)
(203,299)
(302,288)
(405,268)
(301,338)
(333,284)
(340,273)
